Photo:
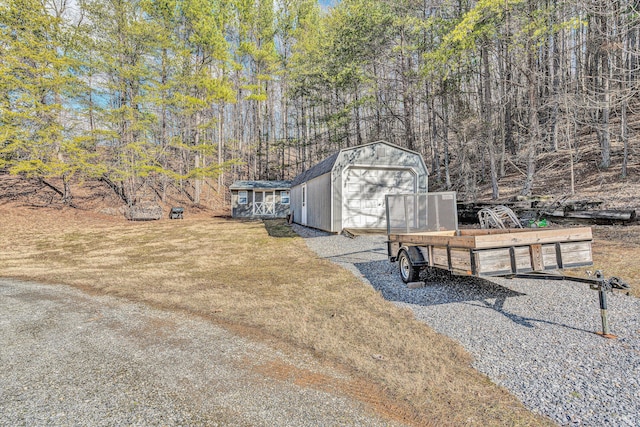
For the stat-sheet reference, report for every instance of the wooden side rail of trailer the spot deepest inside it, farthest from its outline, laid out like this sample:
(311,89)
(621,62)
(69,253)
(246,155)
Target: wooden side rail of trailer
(503,252)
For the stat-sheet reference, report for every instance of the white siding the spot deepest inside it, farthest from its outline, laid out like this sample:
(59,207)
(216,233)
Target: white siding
(319,202)
(352,193)
(364,190)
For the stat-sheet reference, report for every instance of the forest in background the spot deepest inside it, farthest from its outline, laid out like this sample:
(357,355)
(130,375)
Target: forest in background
(190,95)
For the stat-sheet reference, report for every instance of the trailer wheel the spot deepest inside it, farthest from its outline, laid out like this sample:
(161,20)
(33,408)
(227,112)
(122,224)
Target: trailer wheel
(408,273)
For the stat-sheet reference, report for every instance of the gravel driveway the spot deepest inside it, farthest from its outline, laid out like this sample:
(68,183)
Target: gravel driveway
(68,358)
(534,337)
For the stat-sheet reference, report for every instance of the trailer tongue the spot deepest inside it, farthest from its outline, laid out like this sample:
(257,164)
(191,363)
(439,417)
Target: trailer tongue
(423,233)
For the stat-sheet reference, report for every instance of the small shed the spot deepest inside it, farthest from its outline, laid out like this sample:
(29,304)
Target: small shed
(260,199)
(347,189)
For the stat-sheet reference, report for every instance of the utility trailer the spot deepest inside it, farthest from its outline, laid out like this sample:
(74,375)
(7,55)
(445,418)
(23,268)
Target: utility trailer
(423,234)
(491,252)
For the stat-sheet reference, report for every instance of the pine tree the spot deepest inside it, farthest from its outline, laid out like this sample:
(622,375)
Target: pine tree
(123,44)
(37,84)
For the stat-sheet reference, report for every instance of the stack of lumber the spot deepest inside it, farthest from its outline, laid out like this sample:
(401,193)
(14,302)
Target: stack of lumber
(561,211)
(606,216)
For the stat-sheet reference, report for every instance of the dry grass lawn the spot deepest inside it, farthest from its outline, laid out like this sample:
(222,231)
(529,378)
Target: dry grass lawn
(616,252)
(271,288)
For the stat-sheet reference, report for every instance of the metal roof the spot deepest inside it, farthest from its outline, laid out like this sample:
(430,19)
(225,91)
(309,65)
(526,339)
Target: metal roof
(315,171)
(260,185)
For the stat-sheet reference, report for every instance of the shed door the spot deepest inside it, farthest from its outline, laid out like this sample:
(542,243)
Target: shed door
(303,220)
(364,191)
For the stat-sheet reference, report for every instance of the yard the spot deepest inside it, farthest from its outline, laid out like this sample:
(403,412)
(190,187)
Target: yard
(272,288)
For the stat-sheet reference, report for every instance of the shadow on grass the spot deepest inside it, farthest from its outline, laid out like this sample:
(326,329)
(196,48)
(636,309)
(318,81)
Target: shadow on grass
(279,228)
(441,287)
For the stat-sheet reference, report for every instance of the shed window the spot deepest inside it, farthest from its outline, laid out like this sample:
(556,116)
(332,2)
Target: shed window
(242,197)
(284,197)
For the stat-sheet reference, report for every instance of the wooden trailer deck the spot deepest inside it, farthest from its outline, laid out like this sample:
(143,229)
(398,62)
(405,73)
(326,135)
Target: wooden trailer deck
(493,252)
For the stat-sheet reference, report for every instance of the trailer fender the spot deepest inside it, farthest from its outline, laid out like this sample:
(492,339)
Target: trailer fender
(417,256)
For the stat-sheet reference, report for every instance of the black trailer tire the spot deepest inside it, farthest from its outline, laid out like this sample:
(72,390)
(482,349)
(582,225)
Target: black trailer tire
(408,273)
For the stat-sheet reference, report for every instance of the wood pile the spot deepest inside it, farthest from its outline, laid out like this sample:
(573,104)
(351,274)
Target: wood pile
(559,211)
(605,216)
(144,212)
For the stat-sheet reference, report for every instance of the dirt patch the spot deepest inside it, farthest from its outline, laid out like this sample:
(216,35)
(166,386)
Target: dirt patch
(360,390)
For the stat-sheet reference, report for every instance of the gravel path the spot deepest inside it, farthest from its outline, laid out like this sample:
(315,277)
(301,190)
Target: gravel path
(533,337)
(68,358)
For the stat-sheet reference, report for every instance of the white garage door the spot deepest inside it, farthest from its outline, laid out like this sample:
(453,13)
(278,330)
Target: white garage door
(364,191)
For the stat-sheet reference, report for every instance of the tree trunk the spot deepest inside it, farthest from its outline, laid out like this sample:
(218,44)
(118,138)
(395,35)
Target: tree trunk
(624,131)
(407,96)
(220,146)
(357,116)
(508,90)
(554,65)
(605,136)
(67,197)
(197,182)
(435,163)
(534,127)
(269,119)
(445,141)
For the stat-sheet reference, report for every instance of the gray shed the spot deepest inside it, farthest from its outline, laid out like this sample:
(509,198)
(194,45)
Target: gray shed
(347,189)
(260,199)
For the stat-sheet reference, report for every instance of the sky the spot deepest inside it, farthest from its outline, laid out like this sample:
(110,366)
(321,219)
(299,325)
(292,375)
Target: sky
(325,3)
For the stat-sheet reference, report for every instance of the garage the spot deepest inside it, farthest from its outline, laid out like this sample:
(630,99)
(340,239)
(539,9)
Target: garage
(347,189)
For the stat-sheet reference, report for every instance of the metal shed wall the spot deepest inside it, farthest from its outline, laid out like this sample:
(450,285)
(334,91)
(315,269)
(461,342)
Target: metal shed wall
(378,155)
(318,202)
(326,193)
(296,204)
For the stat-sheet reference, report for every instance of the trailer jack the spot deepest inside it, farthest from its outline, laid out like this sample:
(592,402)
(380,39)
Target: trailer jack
(596,281)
